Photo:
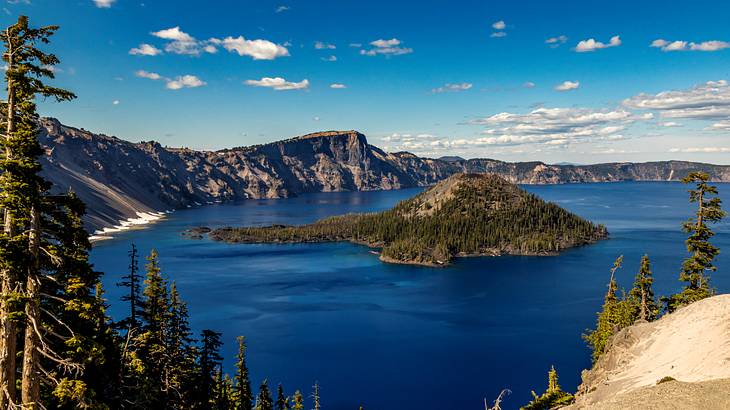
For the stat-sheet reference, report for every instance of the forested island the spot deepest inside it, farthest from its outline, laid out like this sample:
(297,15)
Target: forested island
(464,215)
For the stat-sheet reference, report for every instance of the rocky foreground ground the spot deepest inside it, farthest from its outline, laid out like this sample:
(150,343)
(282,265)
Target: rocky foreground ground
(681,361)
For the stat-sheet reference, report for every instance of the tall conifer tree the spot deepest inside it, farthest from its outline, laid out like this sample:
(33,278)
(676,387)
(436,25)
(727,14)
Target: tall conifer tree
(608,317)
(642,294)
(244,396)
(23,199)
(264,400)
(696,268)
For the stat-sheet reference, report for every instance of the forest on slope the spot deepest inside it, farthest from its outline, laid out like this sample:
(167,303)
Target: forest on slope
(464,215)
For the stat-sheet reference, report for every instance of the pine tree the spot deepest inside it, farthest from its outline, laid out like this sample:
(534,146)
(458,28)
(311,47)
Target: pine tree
(642,294)
(134,297)
(222,391)
(180,369)
(77,325)
(315,396)
(23,196)
(696,268)
(297,402)
(263,400)
(608,318)
(282,403)
(209,360)
(244,396)
(553,397)
(151,343)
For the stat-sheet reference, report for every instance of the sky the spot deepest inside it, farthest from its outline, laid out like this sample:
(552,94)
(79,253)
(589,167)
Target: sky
(558,81)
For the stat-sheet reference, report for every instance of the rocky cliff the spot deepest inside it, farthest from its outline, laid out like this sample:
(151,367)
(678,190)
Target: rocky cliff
(118,179)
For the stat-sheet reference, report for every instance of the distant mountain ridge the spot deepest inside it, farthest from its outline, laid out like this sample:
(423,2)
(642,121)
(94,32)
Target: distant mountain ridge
(118,179)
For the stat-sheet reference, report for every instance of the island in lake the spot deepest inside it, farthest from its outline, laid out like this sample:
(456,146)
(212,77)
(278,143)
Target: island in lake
(464,215)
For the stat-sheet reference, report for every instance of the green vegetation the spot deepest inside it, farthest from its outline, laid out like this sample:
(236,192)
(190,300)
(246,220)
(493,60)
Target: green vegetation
(696,268)
(58,348)
(553,397)
(463,215)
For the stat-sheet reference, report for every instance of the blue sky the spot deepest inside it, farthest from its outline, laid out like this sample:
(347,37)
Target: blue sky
(623,80)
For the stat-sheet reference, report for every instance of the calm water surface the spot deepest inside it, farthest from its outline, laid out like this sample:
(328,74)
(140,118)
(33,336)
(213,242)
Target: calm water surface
(403,337)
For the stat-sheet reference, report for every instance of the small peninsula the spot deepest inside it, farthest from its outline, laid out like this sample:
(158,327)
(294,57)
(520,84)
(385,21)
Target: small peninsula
(464,215)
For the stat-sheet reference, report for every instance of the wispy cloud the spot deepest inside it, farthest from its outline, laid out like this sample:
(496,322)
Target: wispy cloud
(709,101)
(392,47)
(278,84)
(145,50)
(555,42)
(701,150)
(499,27)
(102,4)
(329,58)
(589,45)
(555,126)
(567,86)
(177,83)
(282,9)
(452,88)
(320,45)
(528,84)
(679,45)
(337,86)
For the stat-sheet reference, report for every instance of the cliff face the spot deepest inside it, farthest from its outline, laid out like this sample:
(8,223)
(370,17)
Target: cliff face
(117,178)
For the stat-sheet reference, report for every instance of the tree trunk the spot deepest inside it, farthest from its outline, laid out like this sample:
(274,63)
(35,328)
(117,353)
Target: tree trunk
(8,328)
(31,374)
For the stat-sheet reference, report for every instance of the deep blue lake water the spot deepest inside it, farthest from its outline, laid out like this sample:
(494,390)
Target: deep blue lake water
(401,337)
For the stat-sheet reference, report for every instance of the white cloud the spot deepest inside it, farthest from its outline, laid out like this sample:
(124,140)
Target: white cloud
(355,45)
(319,45)
(499,25)
(180,42)
(528,84)
(282,9)
(184,81)
(679,45)
(278,84)
(669,124)
(256,49)
(593,45)
(452,88)
(555,126)
(337,86)
(145,50)
(567,86)
(149,75)
(390,47)
(498,34)
(330,58)
(115,102)
(174,34)
(702,150)
(556,41)
(721,126)
(710,100)
(103,4)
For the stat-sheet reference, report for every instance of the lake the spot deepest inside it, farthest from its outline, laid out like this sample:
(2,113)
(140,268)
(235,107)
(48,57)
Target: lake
(404,337)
